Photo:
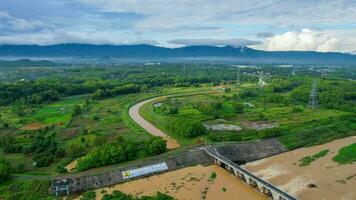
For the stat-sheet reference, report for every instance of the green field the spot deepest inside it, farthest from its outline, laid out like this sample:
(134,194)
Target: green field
(67,113)
(293,119)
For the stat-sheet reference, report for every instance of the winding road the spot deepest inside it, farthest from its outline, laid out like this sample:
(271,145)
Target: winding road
(134,113)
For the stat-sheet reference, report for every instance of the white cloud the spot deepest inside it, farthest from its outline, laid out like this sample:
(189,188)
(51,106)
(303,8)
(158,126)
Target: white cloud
(310,40)
(215,42)
(173,14)
(10,23)
(49,37)
(139,21)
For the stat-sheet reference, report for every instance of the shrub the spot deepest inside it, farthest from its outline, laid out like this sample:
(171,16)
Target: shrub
(156,146)
(5,125)
(270,132)
(77,110)
(89,195)
(239,107)
(5,170)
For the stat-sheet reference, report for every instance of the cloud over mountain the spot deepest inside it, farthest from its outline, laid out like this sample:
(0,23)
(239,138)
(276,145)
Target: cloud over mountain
(215,42)
(309,40)
(276,23)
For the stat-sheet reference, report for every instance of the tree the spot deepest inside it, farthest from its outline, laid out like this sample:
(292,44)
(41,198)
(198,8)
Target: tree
(76,150)
(97,94)
(193,129)
(6,125)
(156,146)
(77,110)
(5,170)
(239,107)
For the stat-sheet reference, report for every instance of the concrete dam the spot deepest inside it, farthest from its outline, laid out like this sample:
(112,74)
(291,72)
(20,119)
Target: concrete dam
(227,155)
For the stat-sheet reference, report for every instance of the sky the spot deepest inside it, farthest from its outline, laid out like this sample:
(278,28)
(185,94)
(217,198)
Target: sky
(273,25)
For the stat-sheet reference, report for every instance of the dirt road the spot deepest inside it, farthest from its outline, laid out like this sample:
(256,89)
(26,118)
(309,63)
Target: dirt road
(134,113)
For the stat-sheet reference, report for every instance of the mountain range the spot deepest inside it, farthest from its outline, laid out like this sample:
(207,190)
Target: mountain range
(144,53)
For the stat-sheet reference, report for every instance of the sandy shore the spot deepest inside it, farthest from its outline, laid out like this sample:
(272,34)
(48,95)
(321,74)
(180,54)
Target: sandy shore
(190,183)
(332,181)
(134,113)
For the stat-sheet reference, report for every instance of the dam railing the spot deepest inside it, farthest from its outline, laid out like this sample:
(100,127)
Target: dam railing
(263,186)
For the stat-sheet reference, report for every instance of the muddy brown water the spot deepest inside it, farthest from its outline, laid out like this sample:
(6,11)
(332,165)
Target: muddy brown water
(332,181)
(191,183)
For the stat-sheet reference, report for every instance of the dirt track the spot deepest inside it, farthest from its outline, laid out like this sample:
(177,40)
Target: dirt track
(134,113)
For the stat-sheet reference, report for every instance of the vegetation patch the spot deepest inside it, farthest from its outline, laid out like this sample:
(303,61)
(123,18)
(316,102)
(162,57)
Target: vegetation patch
(346,155)
(120,151)
(309,159)
(116,195)
(212,176)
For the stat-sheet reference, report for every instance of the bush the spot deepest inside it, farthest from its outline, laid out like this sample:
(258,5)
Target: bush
(89,195)
(271,132)
(297,109)
(61,169)
(117,195)
(5,125)
(156,146)
(193,129)
(20,168)
(173,110)
(309,159)
(222,137)
(76,150)
(44,150)
(77,110)
(120,151)
(239,107)
(5,170)
(186,128)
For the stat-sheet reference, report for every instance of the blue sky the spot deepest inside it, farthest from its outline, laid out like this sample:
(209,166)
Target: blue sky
(320,25)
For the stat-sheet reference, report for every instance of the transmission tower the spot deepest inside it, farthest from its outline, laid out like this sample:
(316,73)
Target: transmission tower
(237,75)
(313,98)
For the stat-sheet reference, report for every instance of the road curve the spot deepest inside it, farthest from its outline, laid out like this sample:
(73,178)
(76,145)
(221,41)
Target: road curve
(134,113)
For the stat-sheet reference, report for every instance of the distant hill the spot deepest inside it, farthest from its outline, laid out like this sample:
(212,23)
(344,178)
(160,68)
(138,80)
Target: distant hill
(190,53)
(27,63)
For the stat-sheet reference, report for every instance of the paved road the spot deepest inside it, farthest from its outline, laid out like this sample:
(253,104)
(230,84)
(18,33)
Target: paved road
(134,113)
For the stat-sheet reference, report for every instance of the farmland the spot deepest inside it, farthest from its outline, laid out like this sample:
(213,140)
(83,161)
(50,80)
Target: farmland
(52,120)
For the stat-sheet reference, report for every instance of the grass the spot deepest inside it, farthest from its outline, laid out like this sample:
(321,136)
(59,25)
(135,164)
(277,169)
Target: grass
(307,127)
(160,121)
(309,159)
(346,155)
(25,189)
(59,112)
(319,132)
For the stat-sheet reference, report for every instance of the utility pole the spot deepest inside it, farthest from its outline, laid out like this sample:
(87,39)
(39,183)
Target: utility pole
(313,97)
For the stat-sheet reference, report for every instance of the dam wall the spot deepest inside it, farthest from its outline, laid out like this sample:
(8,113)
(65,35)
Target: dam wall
(237,152)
